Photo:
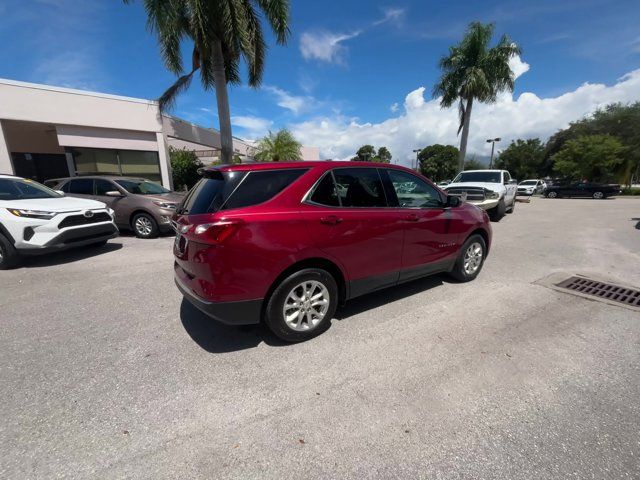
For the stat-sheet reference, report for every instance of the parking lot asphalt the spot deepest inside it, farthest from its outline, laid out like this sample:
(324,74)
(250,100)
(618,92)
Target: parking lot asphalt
(106,373)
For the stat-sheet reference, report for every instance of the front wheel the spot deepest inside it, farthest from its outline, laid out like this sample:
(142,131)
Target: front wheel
(497,212)
(144,226)
(9,256)
(598,195)
(470,259)
(302,305)
(551,195)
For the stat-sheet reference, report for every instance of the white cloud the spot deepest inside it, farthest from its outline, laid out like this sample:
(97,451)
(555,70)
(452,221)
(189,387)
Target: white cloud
(294,103)
(253,127)
(325,46)
(518,67)
(391,15)
(394,107)
(423,122)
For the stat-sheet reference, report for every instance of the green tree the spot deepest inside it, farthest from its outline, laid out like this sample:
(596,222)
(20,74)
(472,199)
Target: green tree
(365,153)
(223,32)
(523,158)
(595,158)
(383,156)
(278,147)
(474,71)
(184,168)
(621,121)
(473,164)
(439,162)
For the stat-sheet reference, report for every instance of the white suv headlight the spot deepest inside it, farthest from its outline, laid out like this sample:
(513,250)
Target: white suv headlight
(32,213)
(493,194)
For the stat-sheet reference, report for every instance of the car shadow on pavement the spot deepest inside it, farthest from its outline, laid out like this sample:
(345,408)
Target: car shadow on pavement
(388,295)
(216,337)
(637,224)
(68,256)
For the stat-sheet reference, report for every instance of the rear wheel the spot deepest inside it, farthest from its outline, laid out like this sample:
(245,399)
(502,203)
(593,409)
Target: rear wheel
(9,256)
(598,195)
(470,259)
(302,305)
(552,195)
(144,226)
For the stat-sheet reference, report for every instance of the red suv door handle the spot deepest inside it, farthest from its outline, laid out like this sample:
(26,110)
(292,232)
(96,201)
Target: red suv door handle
(412,217)
(330,220)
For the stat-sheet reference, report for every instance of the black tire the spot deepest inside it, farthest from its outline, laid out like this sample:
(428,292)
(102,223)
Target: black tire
(144,226)
(551,194)
(274,312)
(9,256)
(458,272)
(497,212)
(599,195)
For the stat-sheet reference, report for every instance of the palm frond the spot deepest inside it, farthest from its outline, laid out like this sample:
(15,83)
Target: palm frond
(168,99)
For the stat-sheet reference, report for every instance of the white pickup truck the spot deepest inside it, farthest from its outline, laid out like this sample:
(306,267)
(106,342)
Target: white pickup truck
(491,190)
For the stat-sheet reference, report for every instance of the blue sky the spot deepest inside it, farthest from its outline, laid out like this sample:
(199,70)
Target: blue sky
(353,71)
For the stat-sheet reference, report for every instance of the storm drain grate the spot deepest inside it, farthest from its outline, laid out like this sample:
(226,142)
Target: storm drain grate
(608,291)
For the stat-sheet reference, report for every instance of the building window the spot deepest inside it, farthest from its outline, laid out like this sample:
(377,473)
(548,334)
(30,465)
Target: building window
(131,163)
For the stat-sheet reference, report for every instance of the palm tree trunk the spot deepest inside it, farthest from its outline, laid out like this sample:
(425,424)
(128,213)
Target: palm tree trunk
(222,98)
(465,134)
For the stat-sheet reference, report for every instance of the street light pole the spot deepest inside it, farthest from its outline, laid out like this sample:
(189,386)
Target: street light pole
(492,141)
(417,152)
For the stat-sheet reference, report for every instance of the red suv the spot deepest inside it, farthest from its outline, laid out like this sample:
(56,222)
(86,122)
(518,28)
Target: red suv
(288,242)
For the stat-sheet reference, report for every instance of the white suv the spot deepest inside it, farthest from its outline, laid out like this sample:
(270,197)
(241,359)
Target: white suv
(35,219)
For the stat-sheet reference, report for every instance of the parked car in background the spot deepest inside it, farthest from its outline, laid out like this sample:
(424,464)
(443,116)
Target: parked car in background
(531,187)
(288,242)
(582,189)
(139,204)
(35,220)
(491,190)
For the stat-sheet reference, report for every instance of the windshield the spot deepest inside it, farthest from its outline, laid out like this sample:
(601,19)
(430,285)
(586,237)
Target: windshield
(142,187)
(19,189)
(491,177)
(529,182)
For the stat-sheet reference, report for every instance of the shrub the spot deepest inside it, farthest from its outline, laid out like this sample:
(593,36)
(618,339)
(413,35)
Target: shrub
(184,166)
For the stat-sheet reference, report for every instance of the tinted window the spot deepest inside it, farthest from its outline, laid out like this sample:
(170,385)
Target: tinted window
(210,193)
(82,186)
(260,186)
(412,191)
(359,187)
(104,186)
(65,187)
(11,189)
(142,187)
(325,192)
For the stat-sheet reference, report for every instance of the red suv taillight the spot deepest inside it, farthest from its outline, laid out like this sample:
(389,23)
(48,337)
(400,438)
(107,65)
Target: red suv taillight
(215,232)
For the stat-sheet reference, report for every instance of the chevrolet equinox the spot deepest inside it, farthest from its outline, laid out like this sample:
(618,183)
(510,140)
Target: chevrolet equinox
(286,243)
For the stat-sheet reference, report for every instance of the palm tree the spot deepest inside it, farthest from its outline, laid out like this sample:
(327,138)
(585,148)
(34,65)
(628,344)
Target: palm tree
(473,71)
(276,147)
(223,32)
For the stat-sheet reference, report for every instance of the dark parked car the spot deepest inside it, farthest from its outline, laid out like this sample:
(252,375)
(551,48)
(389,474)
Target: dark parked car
(288,242)
(591,190)
(139,204)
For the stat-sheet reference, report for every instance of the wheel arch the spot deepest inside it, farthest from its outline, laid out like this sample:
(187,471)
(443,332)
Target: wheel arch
(140,210)
(312,262)
(484,234)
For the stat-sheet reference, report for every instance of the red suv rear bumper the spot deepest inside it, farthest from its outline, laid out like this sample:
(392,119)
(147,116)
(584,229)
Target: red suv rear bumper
(245,312)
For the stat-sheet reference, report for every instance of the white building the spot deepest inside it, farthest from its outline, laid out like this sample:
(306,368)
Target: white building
(50,132)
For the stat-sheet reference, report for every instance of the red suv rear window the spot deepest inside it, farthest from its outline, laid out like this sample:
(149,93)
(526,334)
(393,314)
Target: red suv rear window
(233,189)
